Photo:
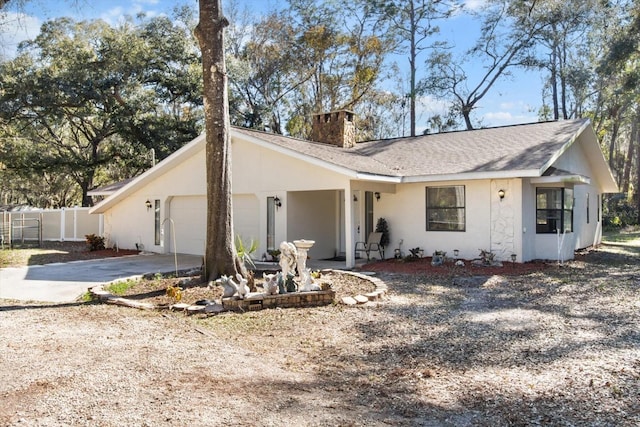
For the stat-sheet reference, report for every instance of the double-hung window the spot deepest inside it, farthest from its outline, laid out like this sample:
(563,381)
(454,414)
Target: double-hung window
(554,210)
(446,208)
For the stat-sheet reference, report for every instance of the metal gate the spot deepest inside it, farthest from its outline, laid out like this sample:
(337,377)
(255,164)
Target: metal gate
(5,231)
(26,231)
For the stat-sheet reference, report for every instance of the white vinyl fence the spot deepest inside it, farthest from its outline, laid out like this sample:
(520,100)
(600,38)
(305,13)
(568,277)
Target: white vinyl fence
(66,224)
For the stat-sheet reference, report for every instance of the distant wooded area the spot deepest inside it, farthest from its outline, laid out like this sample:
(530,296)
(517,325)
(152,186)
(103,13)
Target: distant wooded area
(84,104)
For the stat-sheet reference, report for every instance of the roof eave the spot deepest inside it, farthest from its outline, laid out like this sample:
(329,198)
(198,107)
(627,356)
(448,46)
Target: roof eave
(563,179)
(564,147)
(472,176)
(295,154)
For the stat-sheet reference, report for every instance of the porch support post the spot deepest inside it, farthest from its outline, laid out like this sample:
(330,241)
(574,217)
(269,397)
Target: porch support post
(63,224)
(348,227)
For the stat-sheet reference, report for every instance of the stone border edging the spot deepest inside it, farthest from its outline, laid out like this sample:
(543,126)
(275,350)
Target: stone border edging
(379,292)
(98,293)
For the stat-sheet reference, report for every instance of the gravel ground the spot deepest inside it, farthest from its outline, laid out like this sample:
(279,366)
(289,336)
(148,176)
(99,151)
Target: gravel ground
(558,346)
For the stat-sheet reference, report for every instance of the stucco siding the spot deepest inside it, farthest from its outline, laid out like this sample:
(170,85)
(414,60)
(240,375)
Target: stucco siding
(256,169)
(129,223)
(587,228)
(405,212)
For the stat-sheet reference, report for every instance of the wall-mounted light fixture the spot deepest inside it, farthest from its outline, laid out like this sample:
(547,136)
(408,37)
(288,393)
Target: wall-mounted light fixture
(148,204)
(501,193)
(355,198)
(277,202)
(376,195)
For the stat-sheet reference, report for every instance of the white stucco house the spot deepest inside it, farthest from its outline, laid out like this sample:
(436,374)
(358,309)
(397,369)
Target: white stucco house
(533,190)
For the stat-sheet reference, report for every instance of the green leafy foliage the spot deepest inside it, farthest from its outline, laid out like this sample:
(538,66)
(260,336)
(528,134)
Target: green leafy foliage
(95,242)
(245,251)
(82,100)
(383,227)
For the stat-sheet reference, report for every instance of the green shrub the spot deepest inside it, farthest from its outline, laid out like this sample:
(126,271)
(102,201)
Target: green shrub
(120,287)
(383,227)
(619,213)
(96,243)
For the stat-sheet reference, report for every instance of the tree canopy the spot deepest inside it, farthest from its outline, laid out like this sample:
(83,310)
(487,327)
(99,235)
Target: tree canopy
(87,102)
(83,103)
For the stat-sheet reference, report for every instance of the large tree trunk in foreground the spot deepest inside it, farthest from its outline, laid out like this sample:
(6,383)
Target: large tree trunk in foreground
(220,252)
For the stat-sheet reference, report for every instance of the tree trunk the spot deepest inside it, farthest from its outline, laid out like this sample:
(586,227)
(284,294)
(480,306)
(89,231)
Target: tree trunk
(220,252)
(613,139)
(563,81)
(628,161)
(466,114)
(412,65)
(636,122)
(554,82)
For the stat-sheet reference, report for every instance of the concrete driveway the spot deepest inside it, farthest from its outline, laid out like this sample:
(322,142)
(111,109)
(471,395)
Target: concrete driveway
(65,282)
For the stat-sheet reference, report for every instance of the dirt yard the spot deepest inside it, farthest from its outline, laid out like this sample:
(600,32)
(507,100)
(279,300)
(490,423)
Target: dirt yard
(553,346)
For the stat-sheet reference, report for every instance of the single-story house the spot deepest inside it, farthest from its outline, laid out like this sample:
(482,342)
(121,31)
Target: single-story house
(533,190)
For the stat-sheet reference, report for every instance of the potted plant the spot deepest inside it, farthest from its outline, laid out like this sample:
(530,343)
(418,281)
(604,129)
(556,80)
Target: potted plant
(383,227)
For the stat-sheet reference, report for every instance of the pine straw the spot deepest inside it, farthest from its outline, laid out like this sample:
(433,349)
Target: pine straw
(559,346)
(154,290)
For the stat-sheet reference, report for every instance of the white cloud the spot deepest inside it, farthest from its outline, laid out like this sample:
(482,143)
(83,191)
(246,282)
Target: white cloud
(507,105)
(428,106)
(15,28)
(474,4)
(503,118)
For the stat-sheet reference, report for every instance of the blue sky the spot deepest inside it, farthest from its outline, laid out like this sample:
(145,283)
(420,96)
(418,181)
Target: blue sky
(514,100)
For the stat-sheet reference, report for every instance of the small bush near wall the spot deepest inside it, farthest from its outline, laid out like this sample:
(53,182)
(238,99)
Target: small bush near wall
(96,243)
(383,227)
(619,214)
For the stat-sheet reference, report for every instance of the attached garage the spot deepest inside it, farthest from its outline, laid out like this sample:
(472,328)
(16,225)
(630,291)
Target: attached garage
(189,214)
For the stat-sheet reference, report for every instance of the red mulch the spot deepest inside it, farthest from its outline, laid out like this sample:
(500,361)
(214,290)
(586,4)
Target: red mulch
(423,266)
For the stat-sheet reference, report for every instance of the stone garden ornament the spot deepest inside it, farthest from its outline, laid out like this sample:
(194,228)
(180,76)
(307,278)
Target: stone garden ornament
(288,256)
(270,284)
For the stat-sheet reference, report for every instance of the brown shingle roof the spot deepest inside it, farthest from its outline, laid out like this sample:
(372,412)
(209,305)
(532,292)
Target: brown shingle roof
(510,148)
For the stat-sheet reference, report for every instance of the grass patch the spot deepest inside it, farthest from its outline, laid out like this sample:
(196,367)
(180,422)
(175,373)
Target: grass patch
(120,287)
(629,237)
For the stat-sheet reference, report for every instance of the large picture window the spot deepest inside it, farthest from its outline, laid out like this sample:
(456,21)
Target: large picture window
(554,210)
(446,208)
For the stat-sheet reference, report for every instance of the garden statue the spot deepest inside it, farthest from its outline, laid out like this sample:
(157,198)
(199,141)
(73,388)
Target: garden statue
(438,258)
(280,280)
(307,282)
(290,284)
(302,246)
(242,288)
(270,284)
(288,255)
(229,288)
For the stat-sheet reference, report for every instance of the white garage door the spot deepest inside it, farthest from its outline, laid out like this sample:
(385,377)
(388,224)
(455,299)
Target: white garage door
(189,214)
(246,217)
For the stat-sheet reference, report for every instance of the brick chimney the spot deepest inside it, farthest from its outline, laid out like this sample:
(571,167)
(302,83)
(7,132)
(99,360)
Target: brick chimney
(336,127)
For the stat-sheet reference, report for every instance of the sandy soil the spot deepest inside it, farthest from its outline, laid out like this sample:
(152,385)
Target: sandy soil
(559,345)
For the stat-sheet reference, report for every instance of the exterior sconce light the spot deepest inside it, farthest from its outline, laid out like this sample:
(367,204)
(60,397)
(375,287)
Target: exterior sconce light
(355,198)
(377,195)
(501,194)
(148,204)
(277,202)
